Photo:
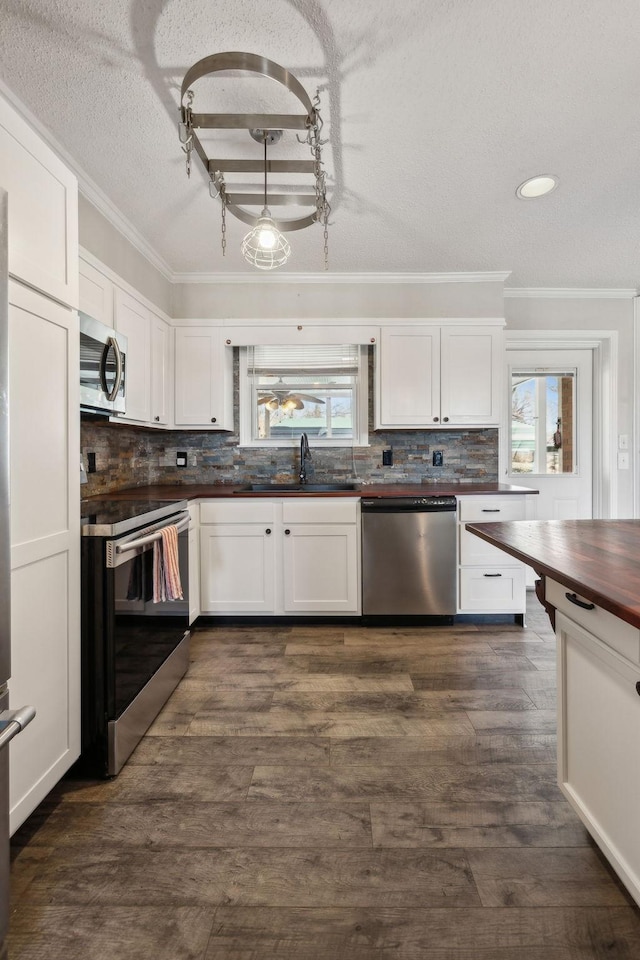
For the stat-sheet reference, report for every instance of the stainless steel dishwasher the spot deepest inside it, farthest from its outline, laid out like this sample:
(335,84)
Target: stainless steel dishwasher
(409,556)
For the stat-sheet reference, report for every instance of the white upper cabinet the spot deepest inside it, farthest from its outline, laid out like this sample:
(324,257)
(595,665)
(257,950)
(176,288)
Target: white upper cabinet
(43,210)
(148,370)
(160,369)
(134,321)
(471,370)
(446,375)
(96,296)
(203,378)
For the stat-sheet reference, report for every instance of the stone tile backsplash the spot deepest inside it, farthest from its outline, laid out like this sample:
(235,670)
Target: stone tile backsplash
(129,456)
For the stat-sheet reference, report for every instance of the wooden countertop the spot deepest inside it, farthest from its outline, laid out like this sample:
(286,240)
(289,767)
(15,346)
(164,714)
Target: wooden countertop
(598,559)
(196,491)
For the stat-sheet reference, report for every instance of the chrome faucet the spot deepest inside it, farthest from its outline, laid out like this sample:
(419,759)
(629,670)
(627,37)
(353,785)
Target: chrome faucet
(305,454)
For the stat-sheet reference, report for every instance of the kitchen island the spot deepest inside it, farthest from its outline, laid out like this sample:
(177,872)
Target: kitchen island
(590,585)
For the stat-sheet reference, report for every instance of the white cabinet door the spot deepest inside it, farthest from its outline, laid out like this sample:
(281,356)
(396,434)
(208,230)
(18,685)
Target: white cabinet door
(320,568)
(203,379)
(194,563)
(489,580)
(96,295)
(408,377)
(160,369)
(472,361)
(45,543)
(599,719)
(43,210)
(133,320)
(237,568)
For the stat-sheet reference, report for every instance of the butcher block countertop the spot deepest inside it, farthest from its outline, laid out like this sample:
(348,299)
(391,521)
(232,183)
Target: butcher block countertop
(197,491)
(598,559)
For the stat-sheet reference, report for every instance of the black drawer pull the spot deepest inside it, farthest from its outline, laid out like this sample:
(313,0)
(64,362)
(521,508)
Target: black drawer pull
(580,603)
(638,688)
(491,574)
(494,510)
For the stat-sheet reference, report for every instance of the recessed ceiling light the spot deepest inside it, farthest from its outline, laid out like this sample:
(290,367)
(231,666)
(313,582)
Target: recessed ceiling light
(537,186)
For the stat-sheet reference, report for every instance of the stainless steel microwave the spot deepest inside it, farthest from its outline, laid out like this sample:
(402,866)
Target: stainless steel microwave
(103,367)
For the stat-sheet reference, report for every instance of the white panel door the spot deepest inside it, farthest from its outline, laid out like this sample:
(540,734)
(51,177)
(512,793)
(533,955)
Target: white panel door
(471,371)
(320,569)
(43,210)
(96,296)
(160,369)
(598,767)
(203,379)
(45,542)
(408,377)
(133,320)
(237,568)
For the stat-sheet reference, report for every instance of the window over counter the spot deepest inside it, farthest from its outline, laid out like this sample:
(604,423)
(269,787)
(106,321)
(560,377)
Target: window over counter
(317,389)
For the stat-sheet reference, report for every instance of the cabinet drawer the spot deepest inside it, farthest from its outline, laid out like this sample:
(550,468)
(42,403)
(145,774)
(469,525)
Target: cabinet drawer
(319,510)
(610,629)
(489,509)
(492,590)
(237,511)
(477,552)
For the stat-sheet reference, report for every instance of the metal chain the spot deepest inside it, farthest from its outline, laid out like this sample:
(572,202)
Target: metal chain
(185,131)
(223,238)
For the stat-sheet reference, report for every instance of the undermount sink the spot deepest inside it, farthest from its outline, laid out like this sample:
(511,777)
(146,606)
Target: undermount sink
(296,487)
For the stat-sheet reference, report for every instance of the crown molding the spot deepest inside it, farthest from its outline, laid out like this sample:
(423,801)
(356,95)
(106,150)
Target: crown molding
(570,293)
(498,276)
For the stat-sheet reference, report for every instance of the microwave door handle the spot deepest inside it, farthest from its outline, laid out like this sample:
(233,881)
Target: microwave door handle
(111,343)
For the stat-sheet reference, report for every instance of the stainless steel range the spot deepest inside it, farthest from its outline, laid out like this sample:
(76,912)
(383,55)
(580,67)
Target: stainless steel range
(134,649)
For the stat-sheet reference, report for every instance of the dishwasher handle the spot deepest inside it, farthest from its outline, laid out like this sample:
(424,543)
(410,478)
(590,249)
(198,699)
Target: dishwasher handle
(408,504)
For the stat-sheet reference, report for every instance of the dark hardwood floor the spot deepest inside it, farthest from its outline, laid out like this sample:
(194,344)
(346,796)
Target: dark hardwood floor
(331,793)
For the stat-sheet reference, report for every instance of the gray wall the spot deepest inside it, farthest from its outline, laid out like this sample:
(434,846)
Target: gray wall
(104,241)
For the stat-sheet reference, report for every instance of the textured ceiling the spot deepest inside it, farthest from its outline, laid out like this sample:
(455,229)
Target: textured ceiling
(435,112)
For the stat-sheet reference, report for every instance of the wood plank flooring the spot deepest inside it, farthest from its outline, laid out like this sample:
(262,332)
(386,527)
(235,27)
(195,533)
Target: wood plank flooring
(330,793)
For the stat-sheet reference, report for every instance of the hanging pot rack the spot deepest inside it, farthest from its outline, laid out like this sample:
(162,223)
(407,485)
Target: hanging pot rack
(259,125)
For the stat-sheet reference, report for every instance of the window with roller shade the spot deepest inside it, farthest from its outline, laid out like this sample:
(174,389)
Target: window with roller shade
(320,390)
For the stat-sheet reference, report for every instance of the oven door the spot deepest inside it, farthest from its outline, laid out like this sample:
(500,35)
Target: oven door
(147,642)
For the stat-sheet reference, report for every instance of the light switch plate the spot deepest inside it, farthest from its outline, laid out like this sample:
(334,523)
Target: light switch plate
(623,460)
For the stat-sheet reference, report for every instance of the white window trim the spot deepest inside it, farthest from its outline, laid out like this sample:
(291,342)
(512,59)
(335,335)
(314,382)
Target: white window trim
(245,399)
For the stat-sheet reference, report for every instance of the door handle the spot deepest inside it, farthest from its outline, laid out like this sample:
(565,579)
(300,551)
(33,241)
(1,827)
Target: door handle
(12,722)
(111,343)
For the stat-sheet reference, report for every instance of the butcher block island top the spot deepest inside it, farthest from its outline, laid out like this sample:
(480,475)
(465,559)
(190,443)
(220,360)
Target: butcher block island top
(598,559)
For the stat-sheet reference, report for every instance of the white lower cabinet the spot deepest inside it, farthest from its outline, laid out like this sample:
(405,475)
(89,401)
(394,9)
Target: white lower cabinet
(489,580)
(599,718)
(288,556)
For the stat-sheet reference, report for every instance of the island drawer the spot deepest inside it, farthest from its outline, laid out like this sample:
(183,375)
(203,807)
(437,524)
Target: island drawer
(616,633)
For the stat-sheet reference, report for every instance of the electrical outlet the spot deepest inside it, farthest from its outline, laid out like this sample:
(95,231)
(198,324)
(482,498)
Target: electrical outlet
(438,458)
(387,457)
(623,460)
(91,462)
(181,459)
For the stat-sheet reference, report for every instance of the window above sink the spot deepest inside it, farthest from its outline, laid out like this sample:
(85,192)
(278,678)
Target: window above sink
(321,390)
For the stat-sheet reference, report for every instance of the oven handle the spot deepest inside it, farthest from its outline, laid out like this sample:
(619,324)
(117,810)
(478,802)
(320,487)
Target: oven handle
(143,541)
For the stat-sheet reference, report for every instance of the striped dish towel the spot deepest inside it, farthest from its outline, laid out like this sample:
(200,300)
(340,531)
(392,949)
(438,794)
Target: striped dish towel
(166,570)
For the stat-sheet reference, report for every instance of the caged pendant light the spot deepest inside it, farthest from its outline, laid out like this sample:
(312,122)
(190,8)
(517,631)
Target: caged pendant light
(265,247)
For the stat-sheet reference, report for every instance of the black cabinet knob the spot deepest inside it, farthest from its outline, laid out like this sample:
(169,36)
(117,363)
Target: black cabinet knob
(213,419)
(435,419)
(287,532)
(268,531)
(157,419)
(638,688)
(446,419)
